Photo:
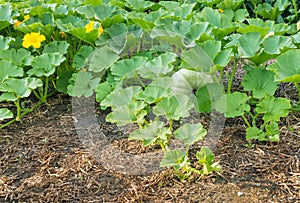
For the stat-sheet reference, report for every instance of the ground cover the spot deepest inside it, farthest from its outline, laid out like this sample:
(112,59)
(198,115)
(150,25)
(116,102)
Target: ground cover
(190,101)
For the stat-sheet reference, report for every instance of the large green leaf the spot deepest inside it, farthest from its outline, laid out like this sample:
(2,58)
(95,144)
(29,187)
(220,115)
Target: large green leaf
(126,67)
(273,108)
(128,113)
(82,84)
(4,42)
(81,57)
(156,90)
(190,133)
(57,47)
(175,107)
(101,59)
(159,66)
(249,44)
(44,65)
(139,5)
(233,105)
(188,81)
(120,96)
(278,44)
(173,158)
(152,133)
(20,57)
(198,59)
(103,90)
(8,69)
(207,96)
(260,82)
(5,114)
(6,13)
(287,66)
(20,88)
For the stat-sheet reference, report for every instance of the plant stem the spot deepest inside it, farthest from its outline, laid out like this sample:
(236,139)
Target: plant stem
(45,94)
(246,121)
(19,109)
(21,115)
(295,8)
(298,89)
(232,76)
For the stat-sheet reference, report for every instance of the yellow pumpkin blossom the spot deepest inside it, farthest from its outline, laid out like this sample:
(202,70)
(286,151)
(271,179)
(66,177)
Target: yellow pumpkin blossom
(26,18)
(220,10)
(17,23)
(89,27)
(100,30)
(33,39)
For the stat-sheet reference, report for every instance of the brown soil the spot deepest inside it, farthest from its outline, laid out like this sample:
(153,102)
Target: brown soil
(43,160)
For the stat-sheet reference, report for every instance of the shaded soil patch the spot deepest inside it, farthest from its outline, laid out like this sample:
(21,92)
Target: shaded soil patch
(43,160)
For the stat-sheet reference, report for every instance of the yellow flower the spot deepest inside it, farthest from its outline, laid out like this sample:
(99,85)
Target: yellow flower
(220,10)
(100,30)
(17,23)
(89,27)
(26,18)
(33,39)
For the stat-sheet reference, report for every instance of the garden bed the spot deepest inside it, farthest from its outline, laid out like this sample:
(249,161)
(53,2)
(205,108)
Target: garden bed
(43,160)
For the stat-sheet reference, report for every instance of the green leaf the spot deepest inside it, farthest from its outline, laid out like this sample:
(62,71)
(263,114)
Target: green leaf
(82,84)
(207,96)
(233,105)
(8,69)
(152,133)
(139,5)
(57,47)
(4,42)
(20,88)
(273,108)
(272,132)
(128,113)
(188,81)
(120,96)
(198,59)
(126,67)
(44,65)
(6,13)
(190,133)
(253,133)
(103,90)
(5,114)
(101,59)
(81,57)
(285,69)
(211,47)
(249,44)
(62,81)
(260,82)
(278,44)
(205,156)
(223,58)
(20,57)
(174,107)
(156,90)
(173,158)
(8,96)
(158,67)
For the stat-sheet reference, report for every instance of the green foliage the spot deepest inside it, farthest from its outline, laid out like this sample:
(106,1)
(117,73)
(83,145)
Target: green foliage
(152,63)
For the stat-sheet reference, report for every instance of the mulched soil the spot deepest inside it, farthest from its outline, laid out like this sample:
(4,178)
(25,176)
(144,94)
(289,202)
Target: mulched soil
(44,160)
